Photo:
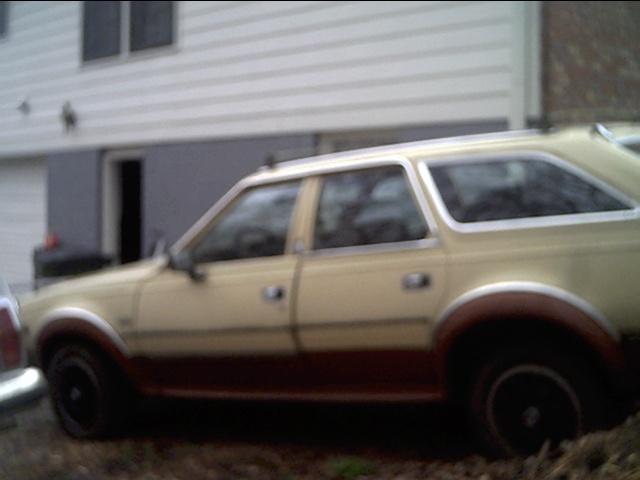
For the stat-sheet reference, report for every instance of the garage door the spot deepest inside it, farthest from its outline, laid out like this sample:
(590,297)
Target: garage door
(22,218)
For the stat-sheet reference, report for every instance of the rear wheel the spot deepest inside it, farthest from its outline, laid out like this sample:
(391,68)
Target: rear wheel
(87,395)
(523,398)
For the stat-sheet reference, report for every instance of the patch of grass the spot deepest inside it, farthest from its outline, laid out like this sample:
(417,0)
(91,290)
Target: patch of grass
(350,468)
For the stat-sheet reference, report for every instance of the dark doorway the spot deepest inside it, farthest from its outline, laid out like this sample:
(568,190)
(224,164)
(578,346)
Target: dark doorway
(130,211)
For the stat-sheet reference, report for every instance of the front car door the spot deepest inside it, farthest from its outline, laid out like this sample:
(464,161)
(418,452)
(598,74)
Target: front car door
(370,282)
(230,331)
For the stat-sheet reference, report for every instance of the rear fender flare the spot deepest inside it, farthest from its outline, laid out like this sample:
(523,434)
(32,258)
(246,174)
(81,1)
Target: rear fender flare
(517,300)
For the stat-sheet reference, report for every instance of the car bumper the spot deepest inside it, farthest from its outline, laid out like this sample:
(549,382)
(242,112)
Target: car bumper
(19,388)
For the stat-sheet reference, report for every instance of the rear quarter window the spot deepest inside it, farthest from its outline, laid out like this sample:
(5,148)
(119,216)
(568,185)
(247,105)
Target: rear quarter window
(504,189)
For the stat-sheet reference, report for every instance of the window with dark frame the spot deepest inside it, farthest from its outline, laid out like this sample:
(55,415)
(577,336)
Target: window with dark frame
(4,18)
(113,28)
(101,30)
(151,25)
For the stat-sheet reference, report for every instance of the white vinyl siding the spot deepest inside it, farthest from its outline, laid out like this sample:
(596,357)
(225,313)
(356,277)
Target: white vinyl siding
(22,218)
(257,68)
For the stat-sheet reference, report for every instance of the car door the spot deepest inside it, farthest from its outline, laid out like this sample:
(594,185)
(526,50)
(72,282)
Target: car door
(370,281)
(231,328)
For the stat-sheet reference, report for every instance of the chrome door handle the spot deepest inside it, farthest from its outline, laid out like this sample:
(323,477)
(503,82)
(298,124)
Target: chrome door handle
(415,281)
(273,293)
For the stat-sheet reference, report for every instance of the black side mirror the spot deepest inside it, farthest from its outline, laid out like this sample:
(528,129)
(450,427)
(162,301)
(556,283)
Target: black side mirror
(183,262)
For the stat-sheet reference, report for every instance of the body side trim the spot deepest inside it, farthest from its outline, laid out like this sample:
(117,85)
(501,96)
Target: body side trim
(259,329)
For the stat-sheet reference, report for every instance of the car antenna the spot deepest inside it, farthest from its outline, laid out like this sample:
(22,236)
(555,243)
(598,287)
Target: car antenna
(273,158)
(270,161)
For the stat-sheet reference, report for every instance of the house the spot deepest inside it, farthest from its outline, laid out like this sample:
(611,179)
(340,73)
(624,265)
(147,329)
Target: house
(160,106)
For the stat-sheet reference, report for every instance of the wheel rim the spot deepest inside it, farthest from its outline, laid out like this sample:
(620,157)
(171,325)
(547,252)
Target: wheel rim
(530,404)
(79,395)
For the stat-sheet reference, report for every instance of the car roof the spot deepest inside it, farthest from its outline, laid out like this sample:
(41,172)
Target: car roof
(441,147)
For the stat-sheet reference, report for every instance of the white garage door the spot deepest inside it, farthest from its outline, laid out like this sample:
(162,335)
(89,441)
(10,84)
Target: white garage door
(22,218)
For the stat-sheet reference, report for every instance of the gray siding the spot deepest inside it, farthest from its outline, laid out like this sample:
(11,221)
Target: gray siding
(450,130)
(74,197)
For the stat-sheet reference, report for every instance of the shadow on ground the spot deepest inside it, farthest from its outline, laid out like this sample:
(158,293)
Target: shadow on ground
(404,431)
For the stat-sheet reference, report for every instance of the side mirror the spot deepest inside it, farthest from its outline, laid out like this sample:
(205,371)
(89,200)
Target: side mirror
(183,262)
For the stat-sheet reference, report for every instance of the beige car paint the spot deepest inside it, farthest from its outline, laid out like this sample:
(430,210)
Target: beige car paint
(355,300)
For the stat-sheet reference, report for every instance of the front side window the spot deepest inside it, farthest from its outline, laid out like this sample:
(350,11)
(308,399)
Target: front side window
(256,225)
(477,191)
(367,207)
(117,28)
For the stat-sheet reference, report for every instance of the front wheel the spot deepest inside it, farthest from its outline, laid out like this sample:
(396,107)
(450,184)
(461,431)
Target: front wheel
(86,394)
(522,399)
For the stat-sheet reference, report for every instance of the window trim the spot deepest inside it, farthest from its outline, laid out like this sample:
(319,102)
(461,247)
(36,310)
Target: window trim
(431,241)
(126,54)
(631,213)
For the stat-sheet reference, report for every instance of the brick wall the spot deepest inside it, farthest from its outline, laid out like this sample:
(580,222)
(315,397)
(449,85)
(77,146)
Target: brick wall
(591,61)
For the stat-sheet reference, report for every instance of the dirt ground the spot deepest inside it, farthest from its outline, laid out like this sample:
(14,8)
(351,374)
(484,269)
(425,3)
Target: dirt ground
(244,441)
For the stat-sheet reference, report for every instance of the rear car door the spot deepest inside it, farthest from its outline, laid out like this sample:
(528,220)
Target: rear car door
(370,281)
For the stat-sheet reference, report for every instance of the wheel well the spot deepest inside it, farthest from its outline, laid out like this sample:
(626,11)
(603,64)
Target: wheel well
(477,344)
(48,350)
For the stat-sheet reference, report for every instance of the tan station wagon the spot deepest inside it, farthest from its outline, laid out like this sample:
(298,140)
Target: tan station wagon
(501,272)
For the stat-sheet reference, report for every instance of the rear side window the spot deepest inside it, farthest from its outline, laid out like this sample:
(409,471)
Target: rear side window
(367,207)
(486,190)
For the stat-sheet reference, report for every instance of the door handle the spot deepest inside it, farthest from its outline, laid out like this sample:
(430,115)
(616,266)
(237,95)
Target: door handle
(415,281)
(273,293)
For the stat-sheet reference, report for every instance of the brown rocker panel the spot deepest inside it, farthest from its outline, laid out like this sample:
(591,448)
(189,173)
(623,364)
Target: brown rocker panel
(514,306)
(342,376)
(342,395)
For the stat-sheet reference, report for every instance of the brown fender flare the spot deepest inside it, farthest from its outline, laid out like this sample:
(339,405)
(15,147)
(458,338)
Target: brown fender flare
(81,325)
(548,305)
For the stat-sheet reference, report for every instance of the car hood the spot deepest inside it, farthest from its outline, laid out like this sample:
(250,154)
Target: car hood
(120,275)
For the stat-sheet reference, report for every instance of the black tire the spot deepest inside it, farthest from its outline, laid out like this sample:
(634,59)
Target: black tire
(88,396)
(523,397)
